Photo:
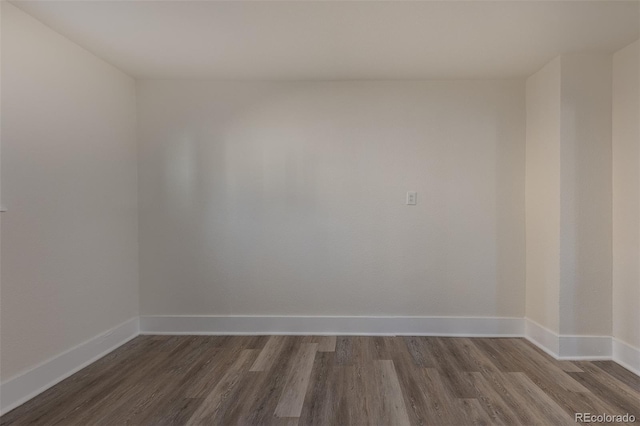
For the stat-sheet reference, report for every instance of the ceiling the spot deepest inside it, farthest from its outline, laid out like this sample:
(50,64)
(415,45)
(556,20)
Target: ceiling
(327,40)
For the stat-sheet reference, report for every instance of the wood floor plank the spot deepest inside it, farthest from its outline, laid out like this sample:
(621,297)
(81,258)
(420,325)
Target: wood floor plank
(259,403)
(193,350)
(420,352)
(492,402)
(331,380)
(358,401)
(581,402)
(365,349)
(595,371)
(506,361)
(145,392)
(136,403)
(619,372)
(569,400)
(90,382)
(254,342)
(295,388)
(609,389)
(242,397)
(325,343)
(176,412)
(427,399)
(451,366)
(380,348)
(213,365)
(475,360)
(473,412)
(540,367)
(170,400)
(324,393)
(210,406)
(128,389)
(392,348)
(541,402)
(414,390)
(517,401)
(456,355)
(269,353)
(440,402)
(286,421)
(391,409)
(344,350)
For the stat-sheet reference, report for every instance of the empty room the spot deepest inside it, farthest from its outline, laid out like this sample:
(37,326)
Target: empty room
(319,212)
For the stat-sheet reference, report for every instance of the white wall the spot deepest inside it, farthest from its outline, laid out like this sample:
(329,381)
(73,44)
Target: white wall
(626,195)
(568,192)
(585,222)
(543,195)
(288,198)
(69,239)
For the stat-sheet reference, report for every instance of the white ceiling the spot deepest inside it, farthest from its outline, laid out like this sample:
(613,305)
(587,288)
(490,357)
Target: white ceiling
(338,39)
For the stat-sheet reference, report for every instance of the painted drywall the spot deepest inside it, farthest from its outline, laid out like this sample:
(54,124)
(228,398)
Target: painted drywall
(543,195)
(626,195)
(69,239)
(568,193)
(585,185)
(289,198)
(1,203)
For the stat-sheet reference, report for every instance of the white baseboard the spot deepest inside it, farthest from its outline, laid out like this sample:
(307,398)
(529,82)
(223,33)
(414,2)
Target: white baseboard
(585,347)
(567,347)
(319,325)
(542,337)
(25,386)
(626,355)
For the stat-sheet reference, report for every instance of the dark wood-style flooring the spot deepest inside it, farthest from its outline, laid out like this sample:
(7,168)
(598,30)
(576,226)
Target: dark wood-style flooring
(344,380)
